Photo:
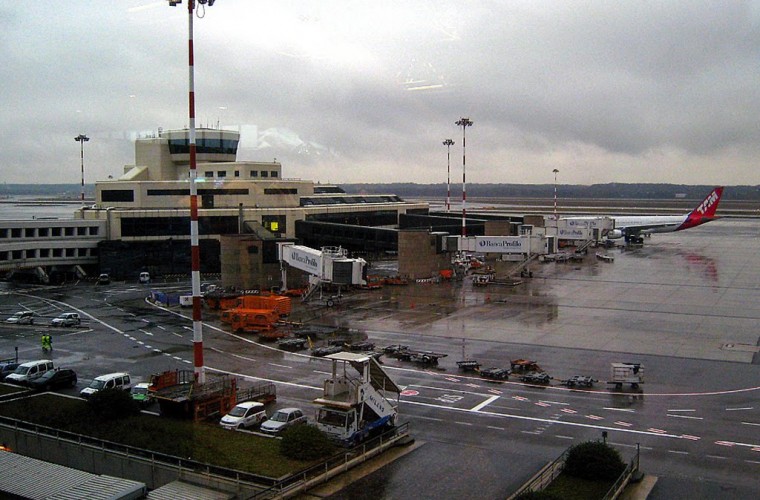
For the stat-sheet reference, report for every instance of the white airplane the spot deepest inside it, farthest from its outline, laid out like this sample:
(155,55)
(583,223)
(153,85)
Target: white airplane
(633,227)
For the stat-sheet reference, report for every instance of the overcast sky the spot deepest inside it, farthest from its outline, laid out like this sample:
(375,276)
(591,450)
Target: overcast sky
(360,91)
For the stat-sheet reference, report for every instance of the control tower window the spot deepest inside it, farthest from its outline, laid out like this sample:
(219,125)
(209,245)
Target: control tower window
(264,173)
(254,173)
(273,173)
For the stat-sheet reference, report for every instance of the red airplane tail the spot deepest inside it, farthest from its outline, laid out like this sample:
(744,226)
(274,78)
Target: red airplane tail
(705,211)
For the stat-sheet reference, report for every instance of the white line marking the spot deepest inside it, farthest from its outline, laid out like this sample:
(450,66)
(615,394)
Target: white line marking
(178,335)
(657,431)
(671,411)
(620,409)
(594,417)
(484,403)
(531,432)
(145,320)
(678,452)
(161,327)
(157,350)
(564,437)
(177,358)
(740,409)
(750,423)
(624,424)
(752,461)
(554,402)
(495,428)
(186,361)
(542,404)
(281,366)
(141,342)
(724,443)
(146,333)
(568,410)
(685,416)
(462,423)
(148,346)
(717,457)
(690,437)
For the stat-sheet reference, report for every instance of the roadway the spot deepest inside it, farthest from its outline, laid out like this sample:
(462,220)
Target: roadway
(686,305)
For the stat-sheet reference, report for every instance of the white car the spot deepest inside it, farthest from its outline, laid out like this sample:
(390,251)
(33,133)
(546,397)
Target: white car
(248,414)
(282,419)
(21,318)
(67,319)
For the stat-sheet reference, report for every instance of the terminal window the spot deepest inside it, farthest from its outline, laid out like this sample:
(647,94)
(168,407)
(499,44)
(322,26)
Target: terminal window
(221,173)
(273,173)
(254,173)
(264,173)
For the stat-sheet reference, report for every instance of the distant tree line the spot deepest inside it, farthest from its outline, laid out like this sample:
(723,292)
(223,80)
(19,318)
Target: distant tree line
(598,191)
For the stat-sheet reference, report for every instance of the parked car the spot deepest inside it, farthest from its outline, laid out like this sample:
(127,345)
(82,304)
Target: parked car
(243,415)
(6,368)
(67,319)
(55,379)
(26,372)
(104,279)
(141,394)
(119,380)
(283,419)
(144,277)
(22,318)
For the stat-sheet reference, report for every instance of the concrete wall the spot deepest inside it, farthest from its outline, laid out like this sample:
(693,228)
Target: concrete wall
(242,265)
(418,255)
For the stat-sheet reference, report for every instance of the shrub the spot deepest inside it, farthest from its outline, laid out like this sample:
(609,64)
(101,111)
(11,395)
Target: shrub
(305,442)
(112,404)
(595,461)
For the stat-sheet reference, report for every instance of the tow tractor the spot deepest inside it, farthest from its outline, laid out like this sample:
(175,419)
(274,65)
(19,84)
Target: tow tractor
(358,399)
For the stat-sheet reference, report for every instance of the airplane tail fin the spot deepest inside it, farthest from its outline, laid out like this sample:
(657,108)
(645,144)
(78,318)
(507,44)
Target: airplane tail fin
(705,211)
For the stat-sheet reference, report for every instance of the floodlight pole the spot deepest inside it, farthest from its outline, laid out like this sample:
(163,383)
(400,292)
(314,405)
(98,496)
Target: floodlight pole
(195,253)
(81,139)
(448,143)
(555,193)
(464,123)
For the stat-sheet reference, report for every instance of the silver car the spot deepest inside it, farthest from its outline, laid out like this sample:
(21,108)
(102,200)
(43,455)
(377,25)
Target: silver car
(21,318)
(283,419)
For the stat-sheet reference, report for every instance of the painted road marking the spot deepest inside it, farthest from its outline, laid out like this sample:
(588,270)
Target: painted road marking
(740,409)
(496,428)
(148,346)
(409,392)
(157,350)
(452,379)
(750,423)
(624,424)
(519,398)
(672,411)
(462,423)
(484,403)
(594,417)
(146,333)
(161,327)
(657,431)
(542,404)
(554,402)
(690,437)
(724,443)
(568,410)
(627,410)
(678,452)
(563,437)
(685,416)
(281,366)
(495,391)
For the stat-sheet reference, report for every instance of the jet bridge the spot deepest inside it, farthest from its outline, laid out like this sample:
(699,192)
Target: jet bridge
(327,265)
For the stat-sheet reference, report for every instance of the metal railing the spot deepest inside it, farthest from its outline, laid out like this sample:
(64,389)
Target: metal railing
(543,477)
(625,477)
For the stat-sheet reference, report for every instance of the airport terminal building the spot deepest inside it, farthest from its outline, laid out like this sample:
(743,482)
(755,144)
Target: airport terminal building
(146,211)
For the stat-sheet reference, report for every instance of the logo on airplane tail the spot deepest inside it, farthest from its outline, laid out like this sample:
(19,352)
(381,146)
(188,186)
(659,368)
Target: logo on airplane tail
(705,211)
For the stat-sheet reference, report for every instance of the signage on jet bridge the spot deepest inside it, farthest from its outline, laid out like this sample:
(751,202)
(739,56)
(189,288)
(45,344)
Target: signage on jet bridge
(501,244)
(304,258)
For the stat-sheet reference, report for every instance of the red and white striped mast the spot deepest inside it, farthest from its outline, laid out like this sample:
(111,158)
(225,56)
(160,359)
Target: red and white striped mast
(448,143)
(555,194)
(195,252)
(464,123)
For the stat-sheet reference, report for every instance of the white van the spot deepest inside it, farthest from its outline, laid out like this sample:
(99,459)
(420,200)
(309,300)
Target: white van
(31,370)
(118,380)
(144,277)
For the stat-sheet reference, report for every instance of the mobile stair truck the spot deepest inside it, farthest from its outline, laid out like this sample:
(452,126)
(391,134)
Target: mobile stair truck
(358,399)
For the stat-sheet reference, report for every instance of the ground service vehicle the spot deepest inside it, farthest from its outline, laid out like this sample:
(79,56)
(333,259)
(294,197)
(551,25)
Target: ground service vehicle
(119,380)
(536,378)
(357,399)
(579,381)
(6,368)
(244,415)
(54,379)
(144,277)
(67,319)
(21,318)
(495,373)
(141,394)
(104,279)
(626,373)
(283,419)
(31,370)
